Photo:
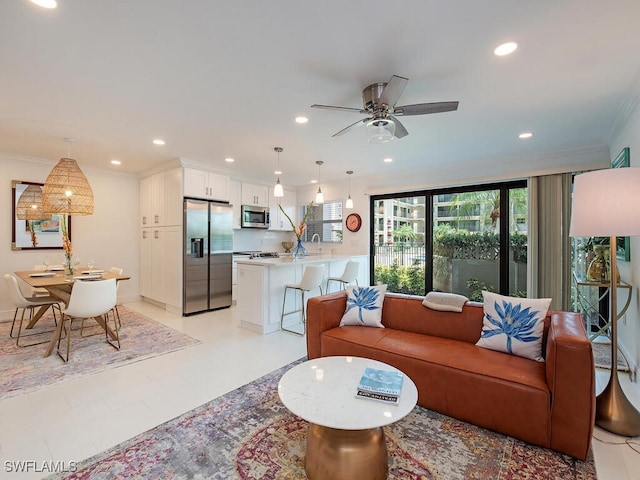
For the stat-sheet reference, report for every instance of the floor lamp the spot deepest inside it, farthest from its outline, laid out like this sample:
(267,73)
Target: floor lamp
(605,204)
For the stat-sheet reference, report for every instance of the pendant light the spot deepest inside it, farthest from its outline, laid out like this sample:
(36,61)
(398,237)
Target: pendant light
(349,202)
(319,195)
(278,191)
(66,190)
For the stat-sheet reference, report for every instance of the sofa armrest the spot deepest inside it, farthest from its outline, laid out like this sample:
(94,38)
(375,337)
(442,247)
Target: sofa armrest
(571,380)
(323,313)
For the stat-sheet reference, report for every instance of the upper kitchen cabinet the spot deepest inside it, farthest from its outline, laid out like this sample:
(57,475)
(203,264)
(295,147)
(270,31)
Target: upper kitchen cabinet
(255,194)
(235,194)
(288,202)
(160,199)
(207,185)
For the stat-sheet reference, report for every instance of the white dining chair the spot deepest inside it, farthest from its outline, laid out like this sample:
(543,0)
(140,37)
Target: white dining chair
(311,279)
(24,304)
(349,275)
(117,271)
(90,299)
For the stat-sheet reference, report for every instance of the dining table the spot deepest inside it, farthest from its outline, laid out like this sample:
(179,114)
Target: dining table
(60,285)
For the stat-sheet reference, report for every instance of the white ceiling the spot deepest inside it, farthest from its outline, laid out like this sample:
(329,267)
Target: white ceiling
(221,78)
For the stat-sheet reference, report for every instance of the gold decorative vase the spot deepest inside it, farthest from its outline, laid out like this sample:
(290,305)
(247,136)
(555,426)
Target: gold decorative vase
(287,246)
(600,268)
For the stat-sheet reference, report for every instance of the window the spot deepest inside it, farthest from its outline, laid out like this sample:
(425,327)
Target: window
(325,220)
(452,240)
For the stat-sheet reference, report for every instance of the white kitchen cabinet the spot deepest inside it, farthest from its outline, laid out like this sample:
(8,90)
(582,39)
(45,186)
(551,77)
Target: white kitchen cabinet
(235,197)
(161,265)
(278,220)
(207,185)
(253,194)
(161,199)
(161,209)
(251,304)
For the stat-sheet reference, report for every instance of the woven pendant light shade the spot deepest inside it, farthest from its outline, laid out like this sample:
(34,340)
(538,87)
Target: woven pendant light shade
(67,190)
(29,205)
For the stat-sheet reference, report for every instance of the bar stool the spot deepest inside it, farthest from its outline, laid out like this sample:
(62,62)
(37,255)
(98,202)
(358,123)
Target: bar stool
(311,279)
(349,275)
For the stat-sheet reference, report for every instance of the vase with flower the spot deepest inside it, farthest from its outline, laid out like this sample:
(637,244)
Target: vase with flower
(299,251)
(66,245)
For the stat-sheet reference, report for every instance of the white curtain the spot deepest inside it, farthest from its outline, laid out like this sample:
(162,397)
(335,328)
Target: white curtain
(549,248)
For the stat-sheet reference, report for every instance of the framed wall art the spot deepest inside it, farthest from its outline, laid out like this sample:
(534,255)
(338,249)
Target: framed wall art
(623,247)
(37,234)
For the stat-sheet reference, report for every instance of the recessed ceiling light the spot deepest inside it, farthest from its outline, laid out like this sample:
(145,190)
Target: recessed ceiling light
(158,141)
(45,3)
(388,160)
(525,135)
(229,160)
(301,119)
(505,48)
(314,181)
(277,172)
(116,162)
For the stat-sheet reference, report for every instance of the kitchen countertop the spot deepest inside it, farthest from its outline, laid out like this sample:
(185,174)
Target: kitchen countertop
(287,259)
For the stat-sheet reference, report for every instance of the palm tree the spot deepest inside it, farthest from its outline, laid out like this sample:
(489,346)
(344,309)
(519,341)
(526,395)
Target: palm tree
(404,233)
(486,204)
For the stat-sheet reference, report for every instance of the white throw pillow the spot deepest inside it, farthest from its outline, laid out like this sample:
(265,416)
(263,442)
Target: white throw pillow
(364,306)
(514,325)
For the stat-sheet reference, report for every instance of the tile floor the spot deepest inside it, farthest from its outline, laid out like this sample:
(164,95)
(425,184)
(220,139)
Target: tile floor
(77,419)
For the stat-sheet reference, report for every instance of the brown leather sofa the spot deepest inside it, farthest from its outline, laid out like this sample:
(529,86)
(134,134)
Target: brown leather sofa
(551,404)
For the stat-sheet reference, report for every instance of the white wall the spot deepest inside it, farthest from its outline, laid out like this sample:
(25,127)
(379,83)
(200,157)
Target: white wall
(110,235)
(629,326)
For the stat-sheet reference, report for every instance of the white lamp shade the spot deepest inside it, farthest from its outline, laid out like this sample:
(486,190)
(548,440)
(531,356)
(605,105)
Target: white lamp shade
(349,203)
(278,191)
(605,203)
(319,197)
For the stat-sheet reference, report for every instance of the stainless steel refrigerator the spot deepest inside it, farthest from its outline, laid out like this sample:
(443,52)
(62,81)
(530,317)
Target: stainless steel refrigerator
(208,241)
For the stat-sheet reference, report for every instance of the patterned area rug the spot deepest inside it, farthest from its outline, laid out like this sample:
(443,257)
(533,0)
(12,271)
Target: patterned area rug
(24,369)
(248,434)
(602,357)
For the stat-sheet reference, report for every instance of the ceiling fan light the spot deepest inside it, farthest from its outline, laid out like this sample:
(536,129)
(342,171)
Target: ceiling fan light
(278,191)
(380,130)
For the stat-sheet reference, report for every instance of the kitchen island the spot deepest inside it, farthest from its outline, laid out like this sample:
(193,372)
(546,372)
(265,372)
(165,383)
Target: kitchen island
(261,281)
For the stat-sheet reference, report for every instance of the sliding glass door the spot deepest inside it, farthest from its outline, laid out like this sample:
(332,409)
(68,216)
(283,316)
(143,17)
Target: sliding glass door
(452,240)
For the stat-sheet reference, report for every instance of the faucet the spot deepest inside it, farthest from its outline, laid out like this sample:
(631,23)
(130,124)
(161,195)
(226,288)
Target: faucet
(313,239)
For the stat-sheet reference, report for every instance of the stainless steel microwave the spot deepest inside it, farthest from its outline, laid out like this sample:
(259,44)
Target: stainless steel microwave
(255,217)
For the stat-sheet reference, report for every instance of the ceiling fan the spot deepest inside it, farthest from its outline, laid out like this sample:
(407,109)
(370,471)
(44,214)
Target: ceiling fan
(379,101)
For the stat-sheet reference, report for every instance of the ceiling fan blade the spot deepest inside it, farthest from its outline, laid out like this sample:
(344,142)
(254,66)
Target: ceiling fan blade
(400,130)
(424,108)
(392,91)
(350,127)
(346,109)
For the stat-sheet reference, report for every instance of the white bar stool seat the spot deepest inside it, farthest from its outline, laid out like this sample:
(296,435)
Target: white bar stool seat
(311,279)
(349,275)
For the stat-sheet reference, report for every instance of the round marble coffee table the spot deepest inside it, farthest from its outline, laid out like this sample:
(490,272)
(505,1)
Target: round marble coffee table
(345,438)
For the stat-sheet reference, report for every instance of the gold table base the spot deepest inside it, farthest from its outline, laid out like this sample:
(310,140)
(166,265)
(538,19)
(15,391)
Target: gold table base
(346,454)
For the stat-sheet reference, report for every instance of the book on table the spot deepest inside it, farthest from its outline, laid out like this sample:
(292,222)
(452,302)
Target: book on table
(383,385)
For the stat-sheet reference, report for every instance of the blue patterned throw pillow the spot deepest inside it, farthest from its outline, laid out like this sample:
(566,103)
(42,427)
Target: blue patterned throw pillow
(364,306)
(514,325)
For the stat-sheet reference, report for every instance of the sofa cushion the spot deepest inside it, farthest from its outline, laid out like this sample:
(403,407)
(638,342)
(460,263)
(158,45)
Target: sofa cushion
(364,306)
(514,325)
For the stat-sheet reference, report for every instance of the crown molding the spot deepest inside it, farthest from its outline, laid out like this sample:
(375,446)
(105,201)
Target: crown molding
(625,110)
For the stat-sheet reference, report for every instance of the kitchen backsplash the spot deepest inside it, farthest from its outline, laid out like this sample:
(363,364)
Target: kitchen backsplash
(256,239)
